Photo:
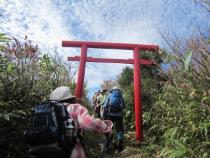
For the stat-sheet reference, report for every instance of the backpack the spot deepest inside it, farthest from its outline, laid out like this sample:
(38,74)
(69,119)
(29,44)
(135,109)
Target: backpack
(51,130)
(115,102)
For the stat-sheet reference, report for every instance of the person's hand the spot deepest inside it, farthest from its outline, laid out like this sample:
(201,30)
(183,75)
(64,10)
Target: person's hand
(109,124)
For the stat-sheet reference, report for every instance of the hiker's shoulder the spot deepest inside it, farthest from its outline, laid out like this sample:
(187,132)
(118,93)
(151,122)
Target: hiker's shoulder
(75,107)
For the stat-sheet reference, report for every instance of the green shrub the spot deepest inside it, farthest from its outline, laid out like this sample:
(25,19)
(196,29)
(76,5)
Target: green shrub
(180,118)
(26,78)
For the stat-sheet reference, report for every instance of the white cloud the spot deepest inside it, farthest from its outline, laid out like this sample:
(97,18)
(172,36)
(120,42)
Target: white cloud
(37,19)
(104,22)
(48,22)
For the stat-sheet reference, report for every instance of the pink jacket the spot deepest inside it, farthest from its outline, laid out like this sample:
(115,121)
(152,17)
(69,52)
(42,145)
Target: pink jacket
(86,122)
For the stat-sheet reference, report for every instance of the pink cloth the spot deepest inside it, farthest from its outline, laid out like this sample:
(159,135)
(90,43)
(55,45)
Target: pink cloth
(86,122)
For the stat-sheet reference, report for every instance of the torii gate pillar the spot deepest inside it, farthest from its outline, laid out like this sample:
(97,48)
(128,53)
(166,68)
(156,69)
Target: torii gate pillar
(81,73)
(137,94)
(137,70)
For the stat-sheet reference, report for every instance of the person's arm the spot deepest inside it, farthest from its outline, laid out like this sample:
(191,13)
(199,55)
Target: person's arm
(88,122)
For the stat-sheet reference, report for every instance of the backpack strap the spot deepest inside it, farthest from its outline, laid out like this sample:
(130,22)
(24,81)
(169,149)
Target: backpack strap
(54,117)
(69,148)
(65,116)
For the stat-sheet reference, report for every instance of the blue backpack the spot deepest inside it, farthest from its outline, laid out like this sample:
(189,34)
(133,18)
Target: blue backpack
(115,102)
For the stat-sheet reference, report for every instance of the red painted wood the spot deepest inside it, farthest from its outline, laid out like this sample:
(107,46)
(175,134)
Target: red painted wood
(137,94)
(137,71)
(106,60)
(81,73)
(105,45)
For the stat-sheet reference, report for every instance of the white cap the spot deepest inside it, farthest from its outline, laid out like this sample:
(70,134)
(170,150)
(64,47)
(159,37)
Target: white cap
(116,88)
(61,93)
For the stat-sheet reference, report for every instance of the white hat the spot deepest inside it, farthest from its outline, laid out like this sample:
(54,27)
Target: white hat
(61,93)
(116,88)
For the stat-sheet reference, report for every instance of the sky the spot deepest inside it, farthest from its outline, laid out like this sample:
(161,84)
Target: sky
(48,22)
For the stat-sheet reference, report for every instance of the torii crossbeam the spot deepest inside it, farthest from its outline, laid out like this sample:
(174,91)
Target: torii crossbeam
(136,61)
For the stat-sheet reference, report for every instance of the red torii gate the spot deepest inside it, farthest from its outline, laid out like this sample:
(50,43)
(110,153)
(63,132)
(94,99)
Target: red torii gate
(137,71)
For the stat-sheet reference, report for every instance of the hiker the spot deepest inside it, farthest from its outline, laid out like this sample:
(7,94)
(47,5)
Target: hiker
(100,101)
(94,102)
(80,116)
(114,106)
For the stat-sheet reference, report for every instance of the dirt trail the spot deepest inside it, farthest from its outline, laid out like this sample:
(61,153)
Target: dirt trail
(128,152)
(131,150)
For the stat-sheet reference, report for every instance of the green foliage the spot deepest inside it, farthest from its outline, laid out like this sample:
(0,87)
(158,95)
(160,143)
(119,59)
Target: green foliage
(3,39)
(151,77)
(176,101)
(183,121)
(26,78)
(179,118)
(125,81)
(126,77)
(150,85)
(187,60)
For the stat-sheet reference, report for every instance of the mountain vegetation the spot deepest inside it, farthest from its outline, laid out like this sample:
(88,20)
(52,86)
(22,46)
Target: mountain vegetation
(176,100)
(175,96)
(27,77)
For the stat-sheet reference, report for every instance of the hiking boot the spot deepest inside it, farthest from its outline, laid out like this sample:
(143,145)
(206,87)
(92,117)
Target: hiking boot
(120,146)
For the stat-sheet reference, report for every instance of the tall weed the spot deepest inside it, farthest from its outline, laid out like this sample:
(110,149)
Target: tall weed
(180,117)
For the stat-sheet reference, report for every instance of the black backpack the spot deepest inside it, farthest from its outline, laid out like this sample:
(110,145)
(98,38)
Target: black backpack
(51,130)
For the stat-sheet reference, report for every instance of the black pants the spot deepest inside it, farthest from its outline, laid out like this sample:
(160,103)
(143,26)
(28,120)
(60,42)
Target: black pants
(50,155)
(118,126)
(60,154)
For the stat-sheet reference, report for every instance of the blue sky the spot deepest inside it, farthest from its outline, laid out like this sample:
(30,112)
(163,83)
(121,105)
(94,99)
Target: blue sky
(48,22)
